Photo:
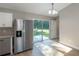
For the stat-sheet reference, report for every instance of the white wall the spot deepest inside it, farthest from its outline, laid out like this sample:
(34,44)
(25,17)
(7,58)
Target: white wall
(69,26)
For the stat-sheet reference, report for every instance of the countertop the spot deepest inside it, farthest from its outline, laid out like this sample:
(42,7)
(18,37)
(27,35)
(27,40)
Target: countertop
(5,36)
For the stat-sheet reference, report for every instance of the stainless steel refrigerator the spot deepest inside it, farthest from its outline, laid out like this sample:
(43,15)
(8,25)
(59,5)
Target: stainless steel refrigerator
(23,35)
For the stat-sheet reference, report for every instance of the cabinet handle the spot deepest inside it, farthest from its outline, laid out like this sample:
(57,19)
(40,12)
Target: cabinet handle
(1,40)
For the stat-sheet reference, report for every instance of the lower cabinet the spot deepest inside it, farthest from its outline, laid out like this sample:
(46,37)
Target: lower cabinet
(4,46)
(0,47)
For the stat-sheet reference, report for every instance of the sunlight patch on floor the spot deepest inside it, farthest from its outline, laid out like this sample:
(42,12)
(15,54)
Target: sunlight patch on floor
(62,47)
(49,51)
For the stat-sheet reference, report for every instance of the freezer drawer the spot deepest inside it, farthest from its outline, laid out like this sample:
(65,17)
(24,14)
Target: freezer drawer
(18,45)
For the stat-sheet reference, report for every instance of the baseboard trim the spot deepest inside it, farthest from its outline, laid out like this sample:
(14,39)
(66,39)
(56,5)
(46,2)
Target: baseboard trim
(5,54)
(54,38)
(71,46)
(23,51)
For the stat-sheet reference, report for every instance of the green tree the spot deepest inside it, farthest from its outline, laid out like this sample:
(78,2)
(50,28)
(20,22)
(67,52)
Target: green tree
(38,24)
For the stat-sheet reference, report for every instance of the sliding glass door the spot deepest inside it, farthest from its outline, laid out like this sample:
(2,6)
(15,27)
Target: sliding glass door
(40,30)
(37,36)
(45,30)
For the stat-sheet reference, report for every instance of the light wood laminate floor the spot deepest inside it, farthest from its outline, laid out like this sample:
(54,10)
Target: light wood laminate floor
(50,48)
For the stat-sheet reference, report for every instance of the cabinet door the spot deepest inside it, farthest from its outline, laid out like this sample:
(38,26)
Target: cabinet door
(2,17)
(5,20)
(8,20)
(6,46)
(1,47)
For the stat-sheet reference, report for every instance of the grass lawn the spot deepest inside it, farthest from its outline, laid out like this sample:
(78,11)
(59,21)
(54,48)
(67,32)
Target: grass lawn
(45,32)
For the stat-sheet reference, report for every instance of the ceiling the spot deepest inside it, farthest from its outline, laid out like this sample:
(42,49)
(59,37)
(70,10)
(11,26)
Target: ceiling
(36,8)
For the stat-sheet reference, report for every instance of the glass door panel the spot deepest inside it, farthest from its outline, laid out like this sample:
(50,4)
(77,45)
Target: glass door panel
(37,31)
(45,30)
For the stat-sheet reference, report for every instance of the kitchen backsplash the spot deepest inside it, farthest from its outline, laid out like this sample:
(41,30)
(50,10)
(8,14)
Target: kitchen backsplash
(6,31)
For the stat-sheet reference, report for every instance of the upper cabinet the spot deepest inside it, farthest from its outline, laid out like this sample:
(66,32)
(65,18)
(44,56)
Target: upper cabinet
(5,19)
